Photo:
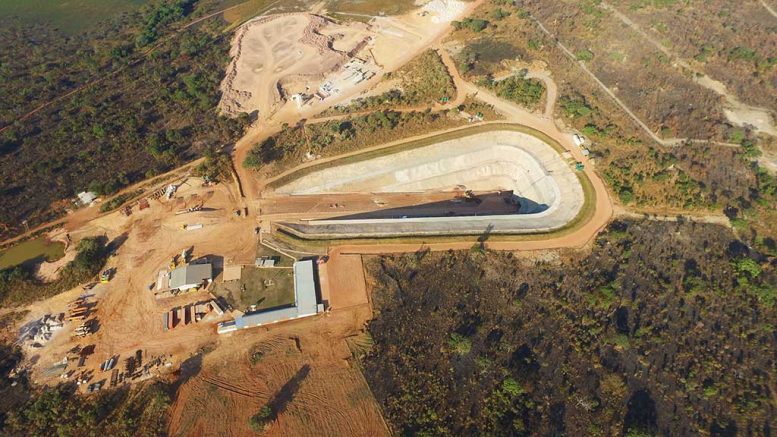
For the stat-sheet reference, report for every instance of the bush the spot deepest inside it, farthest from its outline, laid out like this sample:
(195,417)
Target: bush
(499,14)
(527,92)
(259,421)
(585,55)
(460,344)
(474,24)
(575,107)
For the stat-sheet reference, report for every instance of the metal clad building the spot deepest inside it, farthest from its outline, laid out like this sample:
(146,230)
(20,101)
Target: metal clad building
(190,276)
(305,289)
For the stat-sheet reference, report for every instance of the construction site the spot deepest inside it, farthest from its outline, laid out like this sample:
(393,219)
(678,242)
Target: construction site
(197,262)
(285,65)
(497,180)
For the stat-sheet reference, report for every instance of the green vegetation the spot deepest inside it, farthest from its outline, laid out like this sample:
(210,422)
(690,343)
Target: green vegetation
(262,419)
(119,200)
(585,55)
(61,411)
(526,92)
(575,106)
(743,54)
(331,138)
(216,168)
(160,16)
(72,17)
(35,250)
(146,114)
(705,52)
(473,24)
(499,14)
(18,286)
(460,344)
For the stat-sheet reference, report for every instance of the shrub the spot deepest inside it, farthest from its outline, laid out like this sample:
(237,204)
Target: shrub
(474,24)
(259,421)
(460,344)
(585,55)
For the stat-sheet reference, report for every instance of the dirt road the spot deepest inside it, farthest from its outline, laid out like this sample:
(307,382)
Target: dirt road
(768,8)
(668,142)
(603,208)
(736,111)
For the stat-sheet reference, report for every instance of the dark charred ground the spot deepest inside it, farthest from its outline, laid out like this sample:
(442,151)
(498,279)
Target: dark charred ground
(663,329)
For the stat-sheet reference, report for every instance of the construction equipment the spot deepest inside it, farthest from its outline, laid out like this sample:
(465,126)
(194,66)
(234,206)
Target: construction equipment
(105,276)
(170,191)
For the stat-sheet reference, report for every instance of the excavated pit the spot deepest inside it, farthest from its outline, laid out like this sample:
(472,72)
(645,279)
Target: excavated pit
(545,189)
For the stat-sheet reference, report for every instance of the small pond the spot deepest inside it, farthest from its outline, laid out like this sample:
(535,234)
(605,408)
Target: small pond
(32,251)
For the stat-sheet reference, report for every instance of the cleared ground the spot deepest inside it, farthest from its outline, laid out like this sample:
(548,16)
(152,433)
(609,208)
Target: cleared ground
(267,50)
(304,369)
(263,287)
(129,317)
(544,187)
(276,56)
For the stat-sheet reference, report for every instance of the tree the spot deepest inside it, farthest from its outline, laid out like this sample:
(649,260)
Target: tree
(262,419)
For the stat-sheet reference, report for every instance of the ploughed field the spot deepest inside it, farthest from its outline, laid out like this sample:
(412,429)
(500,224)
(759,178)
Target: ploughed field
(501,180)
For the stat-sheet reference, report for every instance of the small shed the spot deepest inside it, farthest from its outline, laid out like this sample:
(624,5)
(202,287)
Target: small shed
(86,197)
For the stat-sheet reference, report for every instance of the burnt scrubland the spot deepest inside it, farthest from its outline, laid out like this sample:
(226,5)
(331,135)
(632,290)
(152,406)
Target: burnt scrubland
(664,97)
(663,329)
(152,109)
(732,42)
(638,73)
